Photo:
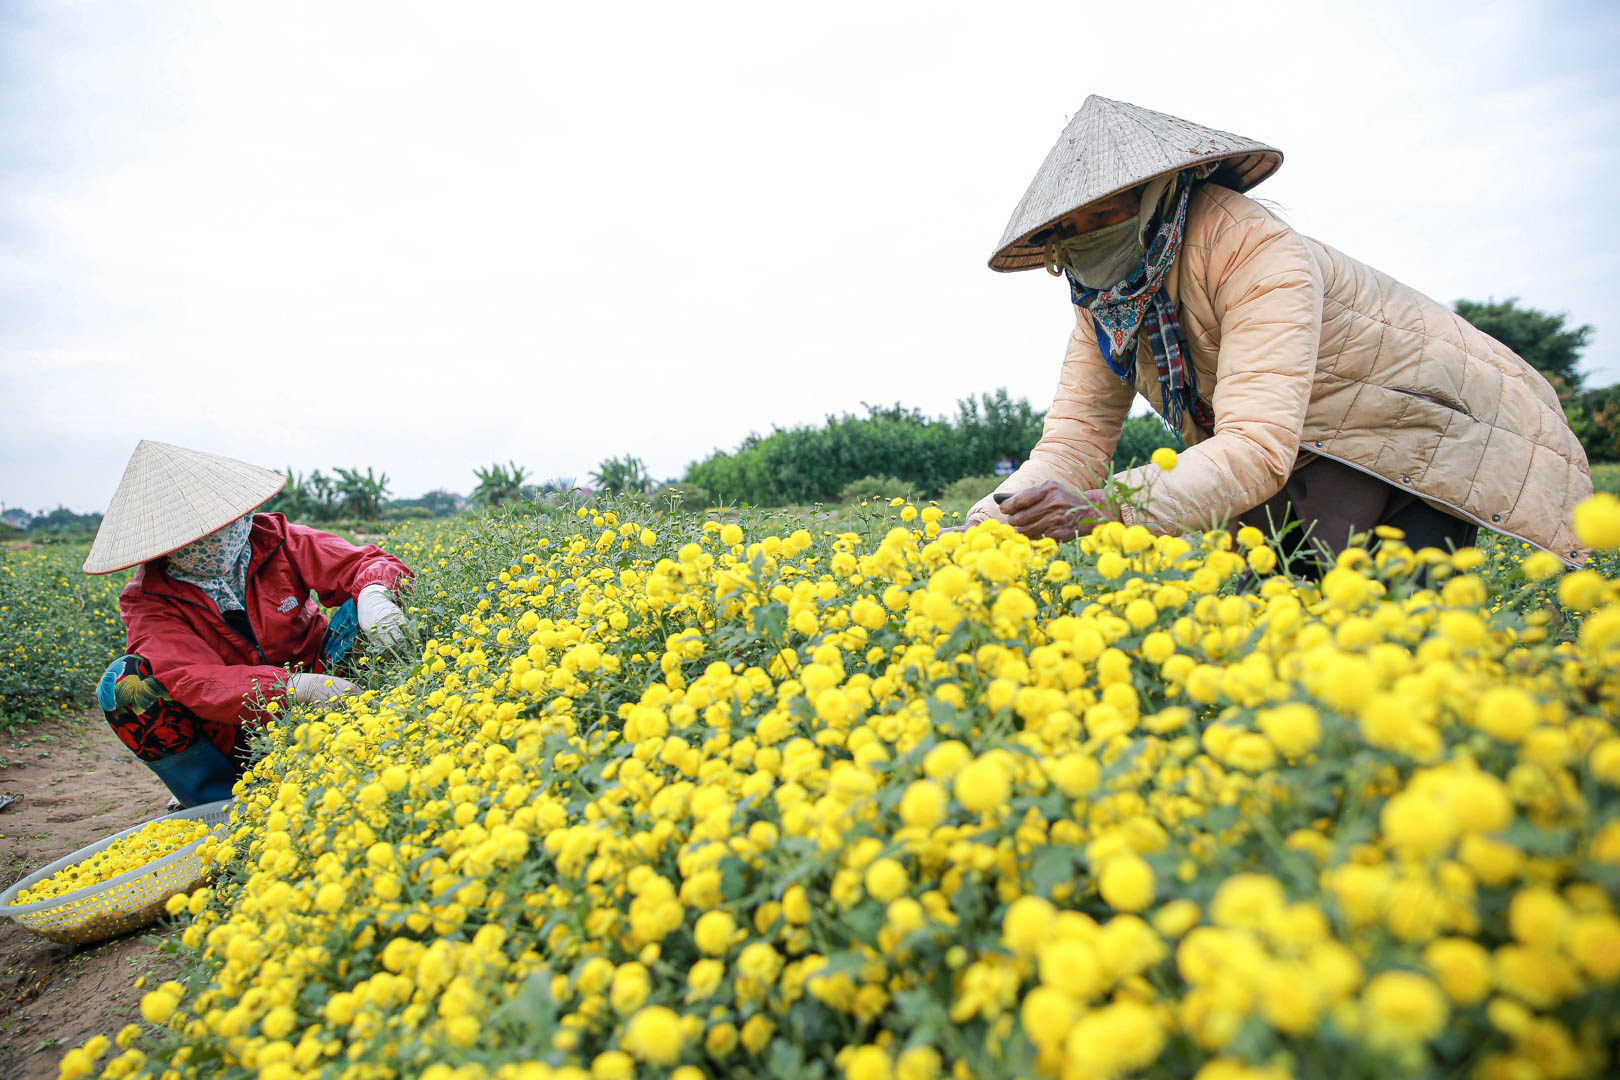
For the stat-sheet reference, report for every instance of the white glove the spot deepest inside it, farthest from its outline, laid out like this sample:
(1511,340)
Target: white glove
(379,616)
(305,687)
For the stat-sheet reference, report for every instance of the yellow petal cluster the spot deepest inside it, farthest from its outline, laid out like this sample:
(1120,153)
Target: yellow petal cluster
(687,798)
(146,845)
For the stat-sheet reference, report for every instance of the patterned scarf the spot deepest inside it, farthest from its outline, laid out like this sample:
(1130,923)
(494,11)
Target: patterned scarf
(1142,302)
(217,564)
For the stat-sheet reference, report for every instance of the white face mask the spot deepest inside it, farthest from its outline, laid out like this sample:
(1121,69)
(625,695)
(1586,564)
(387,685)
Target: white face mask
(1103,257)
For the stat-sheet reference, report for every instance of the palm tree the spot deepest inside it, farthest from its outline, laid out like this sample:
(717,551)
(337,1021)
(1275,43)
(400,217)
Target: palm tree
(628,475)
(362,495)
(323,496)
(499,484)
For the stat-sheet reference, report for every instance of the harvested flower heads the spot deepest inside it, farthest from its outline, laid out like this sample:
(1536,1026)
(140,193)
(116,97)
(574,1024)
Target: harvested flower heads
(150,843)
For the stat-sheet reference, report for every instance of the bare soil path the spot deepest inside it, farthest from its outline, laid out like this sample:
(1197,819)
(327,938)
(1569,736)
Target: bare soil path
(78,784)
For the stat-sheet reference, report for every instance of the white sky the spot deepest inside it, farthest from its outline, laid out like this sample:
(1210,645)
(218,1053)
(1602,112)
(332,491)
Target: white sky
(425,238)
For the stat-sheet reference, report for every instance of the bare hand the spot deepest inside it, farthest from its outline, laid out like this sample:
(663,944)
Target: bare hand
(1050,509)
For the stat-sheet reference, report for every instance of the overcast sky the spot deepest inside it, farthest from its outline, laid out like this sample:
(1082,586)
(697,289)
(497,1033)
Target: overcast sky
(424,238)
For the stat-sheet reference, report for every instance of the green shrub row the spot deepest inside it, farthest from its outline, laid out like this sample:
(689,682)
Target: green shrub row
(907,450)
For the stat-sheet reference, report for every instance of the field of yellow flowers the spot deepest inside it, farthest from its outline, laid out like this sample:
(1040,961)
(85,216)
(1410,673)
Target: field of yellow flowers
(59,629)
(688,798)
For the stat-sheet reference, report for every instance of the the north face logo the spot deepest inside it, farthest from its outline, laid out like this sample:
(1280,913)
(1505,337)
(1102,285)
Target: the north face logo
(287,604)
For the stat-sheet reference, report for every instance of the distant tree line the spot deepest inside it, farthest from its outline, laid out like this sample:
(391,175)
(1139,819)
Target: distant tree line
(809,464)
(500,485)
(926,455)
(58,522)
(890,447)
(1554,348)
(347,493)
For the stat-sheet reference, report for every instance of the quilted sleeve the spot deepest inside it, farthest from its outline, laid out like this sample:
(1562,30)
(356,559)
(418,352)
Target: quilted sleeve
(1267,295)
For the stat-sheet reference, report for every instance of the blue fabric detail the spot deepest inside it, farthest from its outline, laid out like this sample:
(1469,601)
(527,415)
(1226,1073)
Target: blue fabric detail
(107,688)
(196,775)
(1107,350)
(341,630)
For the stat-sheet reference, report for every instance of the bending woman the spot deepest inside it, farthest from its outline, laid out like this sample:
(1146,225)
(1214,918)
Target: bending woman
(1310,389)
(219,619)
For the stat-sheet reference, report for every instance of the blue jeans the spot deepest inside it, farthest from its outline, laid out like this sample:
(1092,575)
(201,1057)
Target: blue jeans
(198,774)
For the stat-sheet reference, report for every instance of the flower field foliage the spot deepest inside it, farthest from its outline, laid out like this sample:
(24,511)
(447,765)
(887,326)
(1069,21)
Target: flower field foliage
(59,629)
(731,799)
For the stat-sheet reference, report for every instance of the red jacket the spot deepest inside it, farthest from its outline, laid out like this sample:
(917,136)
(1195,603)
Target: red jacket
(202,663)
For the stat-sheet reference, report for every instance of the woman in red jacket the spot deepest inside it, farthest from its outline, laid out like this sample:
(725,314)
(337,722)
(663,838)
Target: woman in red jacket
(220,621)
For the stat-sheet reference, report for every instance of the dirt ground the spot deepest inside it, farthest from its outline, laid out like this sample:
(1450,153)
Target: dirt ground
(78,784)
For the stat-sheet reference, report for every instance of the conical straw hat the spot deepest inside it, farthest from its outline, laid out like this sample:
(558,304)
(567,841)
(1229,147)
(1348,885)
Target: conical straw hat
(1110,146)
(168,498)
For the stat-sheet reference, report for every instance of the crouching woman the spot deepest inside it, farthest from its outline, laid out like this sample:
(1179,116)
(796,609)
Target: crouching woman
(219,618)
(1315,393)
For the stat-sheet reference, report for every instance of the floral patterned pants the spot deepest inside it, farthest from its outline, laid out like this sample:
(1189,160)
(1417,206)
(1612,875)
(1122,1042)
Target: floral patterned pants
(148,721)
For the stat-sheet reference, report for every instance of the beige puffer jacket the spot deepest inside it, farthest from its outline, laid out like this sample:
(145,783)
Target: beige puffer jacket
(1302,350)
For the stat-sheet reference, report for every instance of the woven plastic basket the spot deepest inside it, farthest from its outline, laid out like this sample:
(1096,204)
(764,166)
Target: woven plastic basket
(118,905)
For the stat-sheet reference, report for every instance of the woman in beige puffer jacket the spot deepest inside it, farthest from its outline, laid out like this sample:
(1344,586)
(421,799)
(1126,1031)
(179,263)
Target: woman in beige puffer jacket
(1316,388)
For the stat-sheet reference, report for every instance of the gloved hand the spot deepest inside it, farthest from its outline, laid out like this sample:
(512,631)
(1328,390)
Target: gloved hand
(305,687)
(379,616)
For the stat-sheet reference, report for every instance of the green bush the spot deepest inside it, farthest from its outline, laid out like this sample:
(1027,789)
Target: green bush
(925,455)
(968,490)
(682,497)
(814,464)
(1140,436)
(1594,416)
(63,524)
(873,487)
(59,629)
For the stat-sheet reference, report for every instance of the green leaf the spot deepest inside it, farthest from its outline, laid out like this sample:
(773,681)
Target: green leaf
(1535,840)
(771,620)
(733,878)
(1053,866)
(863,922)
(784,1058)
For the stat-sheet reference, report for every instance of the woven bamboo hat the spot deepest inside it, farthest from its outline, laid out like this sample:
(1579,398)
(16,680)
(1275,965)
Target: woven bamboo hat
(1110,146)
(169,497)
